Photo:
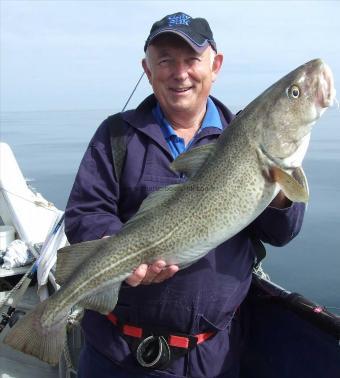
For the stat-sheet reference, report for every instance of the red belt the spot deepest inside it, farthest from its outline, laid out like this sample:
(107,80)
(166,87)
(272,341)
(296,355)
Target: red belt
(179,341)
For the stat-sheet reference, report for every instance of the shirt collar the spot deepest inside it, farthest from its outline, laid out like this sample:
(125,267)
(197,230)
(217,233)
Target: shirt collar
(167,129)
(211,119)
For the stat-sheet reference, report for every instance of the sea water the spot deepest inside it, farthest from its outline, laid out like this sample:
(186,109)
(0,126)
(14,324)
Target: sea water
(49,146)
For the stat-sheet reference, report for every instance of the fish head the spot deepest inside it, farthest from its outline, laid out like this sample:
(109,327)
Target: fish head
(290,108)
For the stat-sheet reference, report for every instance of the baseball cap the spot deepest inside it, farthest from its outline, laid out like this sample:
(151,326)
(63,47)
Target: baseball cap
(195,31)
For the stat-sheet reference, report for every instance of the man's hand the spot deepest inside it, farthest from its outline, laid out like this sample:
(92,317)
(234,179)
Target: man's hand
(146,274)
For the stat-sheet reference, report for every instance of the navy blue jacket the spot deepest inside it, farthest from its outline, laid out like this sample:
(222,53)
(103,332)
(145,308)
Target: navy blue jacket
(200,298)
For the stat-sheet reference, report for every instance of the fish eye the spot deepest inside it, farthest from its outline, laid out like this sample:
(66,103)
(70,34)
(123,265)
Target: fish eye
(293,91)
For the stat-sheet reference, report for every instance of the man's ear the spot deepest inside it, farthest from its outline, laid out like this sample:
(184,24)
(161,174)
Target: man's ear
(216,66)
(146,69)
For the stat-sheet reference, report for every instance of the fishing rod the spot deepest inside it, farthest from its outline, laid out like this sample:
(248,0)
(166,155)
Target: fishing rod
(12,315)
(133,91)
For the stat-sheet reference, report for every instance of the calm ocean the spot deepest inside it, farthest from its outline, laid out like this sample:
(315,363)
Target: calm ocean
(49,145)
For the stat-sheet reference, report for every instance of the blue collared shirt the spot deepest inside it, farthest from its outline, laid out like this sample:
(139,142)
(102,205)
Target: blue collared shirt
(175,143)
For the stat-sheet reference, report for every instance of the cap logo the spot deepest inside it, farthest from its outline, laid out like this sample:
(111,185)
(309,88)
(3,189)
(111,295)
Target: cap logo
(181,19)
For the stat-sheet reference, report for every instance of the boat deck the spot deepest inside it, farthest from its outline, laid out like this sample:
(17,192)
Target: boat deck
(14,364)
(12,272)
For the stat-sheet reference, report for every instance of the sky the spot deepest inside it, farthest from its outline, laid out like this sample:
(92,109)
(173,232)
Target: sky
(80,55)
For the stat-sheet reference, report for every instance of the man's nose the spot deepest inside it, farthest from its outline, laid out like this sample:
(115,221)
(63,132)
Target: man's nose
(180,70)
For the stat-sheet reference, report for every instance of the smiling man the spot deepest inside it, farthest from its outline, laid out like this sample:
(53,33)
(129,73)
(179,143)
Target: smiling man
(181,78)
(167,322)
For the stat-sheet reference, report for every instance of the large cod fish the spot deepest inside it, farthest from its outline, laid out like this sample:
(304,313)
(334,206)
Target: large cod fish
(230,182)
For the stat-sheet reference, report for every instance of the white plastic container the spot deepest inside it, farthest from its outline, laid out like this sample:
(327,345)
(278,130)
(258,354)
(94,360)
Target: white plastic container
(7,234)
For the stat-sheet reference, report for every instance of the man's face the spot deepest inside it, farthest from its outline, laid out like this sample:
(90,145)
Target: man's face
(180,77)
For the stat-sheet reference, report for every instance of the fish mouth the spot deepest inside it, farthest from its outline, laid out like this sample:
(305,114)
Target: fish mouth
(326,91)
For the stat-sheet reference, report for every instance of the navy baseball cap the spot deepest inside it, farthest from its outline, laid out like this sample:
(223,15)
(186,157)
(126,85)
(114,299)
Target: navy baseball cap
(195,31)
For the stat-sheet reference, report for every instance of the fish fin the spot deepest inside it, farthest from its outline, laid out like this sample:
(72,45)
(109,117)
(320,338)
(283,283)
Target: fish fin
(290,186)
(30,337)
(104,301)
(191,161)
(152,201)
(71,257)
(300,175)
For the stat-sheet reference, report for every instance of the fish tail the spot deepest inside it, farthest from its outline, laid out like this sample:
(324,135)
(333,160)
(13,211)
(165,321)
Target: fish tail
(31,337)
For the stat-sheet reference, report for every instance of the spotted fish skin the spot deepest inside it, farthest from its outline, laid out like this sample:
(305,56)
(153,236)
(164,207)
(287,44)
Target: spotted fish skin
(230,183)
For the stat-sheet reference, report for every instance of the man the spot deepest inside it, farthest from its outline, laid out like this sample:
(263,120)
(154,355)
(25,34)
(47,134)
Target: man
(181,64)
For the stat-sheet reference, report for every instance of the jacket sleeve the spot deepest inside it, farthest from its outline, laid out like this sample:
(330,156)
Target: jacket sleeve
(92,209)
(278,226)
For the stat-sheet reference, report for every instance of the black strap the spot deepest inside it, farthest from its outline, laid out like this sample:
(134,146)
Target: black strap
(260,250)
(118,138)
